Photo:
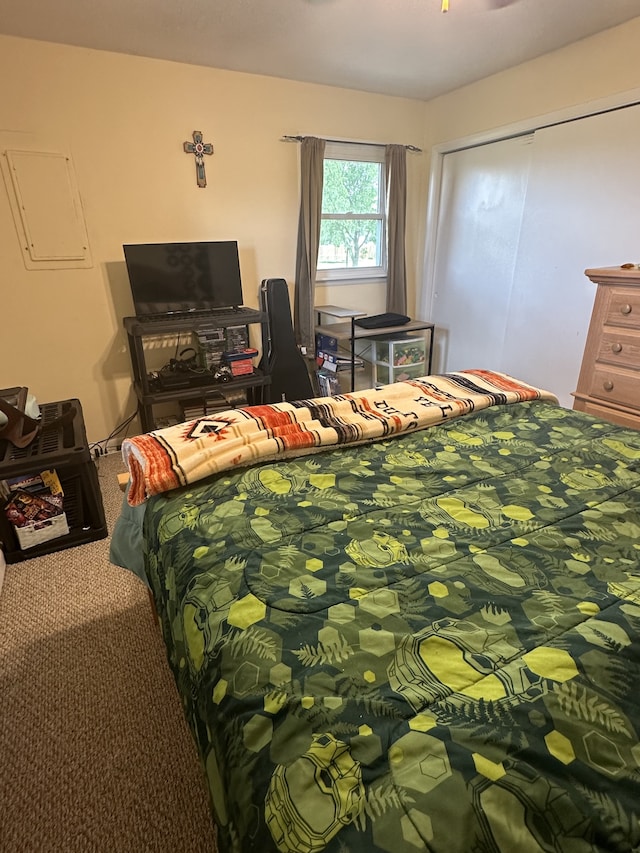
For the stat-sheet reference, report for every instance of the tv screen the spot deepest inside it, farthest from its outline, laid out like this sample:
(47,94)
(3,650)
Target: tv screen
(182,277)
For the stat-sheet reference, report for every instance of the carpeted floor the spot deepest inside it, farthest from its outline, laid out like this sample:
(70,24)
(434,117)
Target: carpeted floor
(95,754)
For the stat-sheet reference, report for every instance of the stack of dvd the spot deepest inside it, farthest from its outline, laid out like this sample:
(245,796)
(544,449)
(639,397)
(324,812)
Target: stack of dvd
(237,338)
(215,401)
(212,346)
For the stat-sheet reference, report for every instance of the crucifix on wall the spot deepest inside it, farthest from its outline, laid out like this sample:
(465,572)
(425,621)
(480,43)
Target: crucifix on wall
(199,148)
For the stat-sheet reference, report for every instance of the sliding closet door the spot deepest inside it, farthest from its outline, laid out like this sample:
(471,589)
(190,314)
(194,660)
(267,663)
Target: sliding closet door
(481,203)
(581,211)
(519,222)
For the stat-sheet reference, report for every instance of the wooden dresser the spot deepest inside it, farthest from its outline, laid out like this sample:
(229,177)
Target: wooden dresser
(609,383)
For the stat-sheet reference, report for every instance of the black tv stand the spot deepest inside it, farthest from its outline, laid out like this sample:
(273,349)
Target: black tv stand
(234,312)
(189,386)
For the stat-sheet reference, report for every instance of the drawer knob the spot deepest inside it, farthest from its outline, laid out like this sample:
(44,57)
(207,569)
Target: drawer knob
(625,309)
(607,385)
(617,347)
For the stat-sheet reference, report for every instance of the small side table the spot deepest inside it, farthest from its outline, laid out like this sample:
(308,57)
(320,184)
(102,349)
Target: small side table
(349,330)
(338,330)
(65,449)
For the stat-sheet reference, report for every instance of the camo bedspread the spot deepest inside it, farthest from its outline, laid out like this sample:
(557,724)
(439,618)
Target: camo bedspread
(429,643)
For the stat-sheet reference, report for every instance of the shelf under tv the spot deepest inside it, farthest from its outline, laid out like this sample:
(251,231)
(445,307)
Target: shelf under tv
(186,385)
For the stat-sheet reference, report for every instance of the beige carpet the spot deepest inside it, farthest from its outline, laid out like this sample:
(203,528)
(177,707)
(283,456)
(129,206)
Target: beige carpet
(95,754)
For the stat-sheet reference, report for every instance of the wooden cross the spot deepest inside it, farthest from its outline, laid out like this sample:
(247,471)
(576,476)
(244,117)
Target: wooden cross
(198,148)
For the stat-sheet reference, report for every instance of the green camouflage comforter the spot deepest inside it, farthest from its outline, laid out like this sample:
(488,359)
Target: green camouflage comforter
(427,643)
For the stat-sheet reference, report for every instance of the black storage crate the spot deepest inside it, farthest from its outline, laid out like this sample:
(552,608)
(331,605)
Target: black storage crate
(65,449)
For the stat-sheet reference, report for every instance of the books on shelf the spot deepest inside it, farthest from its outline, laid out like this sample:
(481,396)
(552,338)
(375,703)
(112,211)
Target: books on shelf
(326,343)
(328,357)
(328,383)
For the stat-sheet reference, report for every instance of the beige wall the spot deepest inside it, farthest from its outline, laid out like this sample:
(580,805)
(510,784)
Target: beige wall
(123,120)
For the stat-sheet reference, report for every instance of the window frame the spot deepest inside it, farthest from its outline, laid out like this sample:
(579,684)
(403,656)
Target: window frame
(359,153)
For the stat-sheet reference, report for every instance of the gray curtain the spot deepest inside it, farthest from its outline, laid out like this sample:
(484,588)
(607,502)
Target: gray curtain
(311,180)
(396,175)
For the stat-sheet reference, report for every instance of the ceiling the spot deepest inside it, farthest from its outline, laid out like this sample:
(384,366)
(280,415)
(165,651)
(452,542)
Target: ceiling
(407,48)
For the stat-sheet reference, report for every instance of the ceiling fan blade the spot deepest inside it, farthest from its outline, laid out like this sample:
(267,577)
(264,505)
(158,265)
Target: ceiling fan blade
(500,4)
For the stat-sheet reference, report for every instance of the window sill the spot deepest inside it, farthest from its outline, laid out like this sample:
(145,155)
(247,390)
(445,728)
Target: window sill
(330,282)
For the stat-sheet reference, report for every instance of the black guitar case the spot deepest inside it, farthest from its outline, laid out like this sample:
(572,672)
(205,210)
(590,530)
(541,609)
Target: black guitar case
(290,378)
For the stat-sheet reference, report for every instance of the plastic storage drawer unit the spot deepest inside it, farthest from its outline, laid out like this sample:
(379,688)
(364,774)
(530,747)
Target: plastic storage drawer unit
(399,357)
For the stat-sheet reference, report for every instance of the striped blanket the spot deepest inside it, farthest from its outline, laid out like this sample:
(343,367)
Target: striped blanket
(165,459)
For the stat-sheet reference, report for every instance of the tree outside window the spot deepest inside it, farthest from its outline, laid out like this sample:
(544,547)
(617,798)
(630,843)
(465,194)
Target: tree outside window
(353,226)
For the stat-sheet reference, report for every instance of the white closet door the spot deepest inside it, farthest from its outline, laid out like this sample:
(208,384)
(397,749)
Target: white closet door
(581,211)
(519,221)
(480,213)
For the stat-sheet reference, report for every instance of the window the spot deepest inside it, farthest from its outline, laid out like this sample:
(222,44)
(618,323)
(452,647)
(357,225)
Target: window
(353,227)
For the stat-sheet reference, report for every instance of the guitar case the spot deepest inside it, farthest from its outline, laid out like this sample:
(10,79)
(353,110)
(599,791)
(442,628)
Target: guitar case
(283,360)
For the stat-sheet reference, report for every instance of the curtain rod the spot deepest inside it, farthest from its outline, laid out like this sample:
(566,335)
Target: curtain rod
(345,142)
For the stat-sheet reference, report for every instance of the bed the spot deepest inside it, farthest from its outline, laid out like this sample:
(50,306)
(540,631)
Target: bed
(422,639)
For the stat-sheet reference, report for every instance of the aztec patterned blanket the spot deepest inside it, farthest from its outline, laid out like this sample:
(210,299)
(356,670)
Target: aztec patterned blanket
(165,459)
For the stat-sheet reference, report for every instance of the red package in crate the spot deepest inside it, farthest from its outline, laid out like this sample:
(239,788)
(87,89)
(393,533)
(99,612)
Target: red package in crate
(240,361)
(241,368)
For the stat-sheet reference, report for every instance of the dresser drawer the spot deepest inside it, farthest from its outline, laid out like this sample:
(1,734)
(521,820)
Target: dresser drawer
(621,348)
(617,387)
(608,413)
(623,308)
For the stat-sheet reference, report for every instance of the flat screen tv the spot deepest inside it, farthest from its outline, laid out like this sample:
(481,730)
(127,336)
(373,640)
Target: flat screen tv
(178,278)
